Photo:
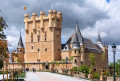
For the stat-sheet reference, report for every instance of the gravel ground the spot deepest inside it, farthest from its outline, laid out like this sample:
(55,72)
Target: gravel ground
(47,76)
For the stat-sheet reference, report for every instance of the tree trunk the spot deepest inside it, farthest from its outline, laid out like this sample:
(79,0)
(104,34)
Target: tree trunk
(3,69)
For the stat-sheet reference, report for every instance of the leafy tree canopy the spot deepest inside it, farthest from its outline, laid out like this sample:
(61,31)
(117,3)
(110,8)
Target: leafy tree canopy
(3,26)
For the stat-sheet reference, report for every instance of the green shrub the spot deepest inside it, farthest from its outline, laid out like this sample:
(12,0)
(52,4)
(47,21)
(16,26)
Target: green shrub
(96,75)
(75,69)
(84,69)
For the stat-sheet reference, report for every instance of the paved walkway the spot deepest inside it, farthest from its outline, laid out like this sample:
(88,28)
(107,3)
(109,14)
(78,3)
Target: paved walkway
(46,76)
(5,76)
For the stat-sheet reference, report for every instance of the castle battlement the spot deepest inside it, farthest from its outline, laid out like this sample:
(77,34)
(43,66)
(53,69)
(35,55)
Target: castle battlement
(53,16)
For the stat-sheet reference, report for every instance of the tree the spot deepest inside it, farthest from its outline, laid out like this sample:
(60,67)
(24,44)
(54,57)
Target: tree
(63,61)
(117,67)
(75,69)
(92,60)
(3,44)
(3,54)
(3,26)
(84,69)
(71,58)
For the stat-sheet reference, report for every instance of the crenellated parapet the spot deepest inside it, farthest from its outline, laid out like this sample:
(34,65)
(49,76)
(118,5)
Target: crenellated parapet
(54,20)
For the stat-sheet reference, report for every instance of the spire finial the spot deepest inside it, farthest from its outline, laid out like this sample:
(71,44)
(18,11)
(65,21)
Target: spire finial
(20,30)
(76,21)
(99,38)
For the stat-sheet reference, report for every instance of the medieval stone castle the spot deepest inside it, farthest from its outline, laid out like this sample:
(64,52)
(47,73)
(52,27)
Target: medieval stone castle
(43,43)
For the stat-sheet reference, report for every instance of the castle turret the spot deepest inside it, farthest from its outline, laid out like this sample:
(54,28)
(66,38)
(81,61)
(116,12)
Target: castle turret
(79,44)
(55,18)
(41,19)
(105,52)
(50,18)
(99,41)
(76,51)
(34,21)
(26,22)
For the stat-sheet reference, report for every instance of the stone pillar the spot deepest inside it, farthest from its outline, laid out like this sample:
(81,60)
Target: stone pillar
(55,17)
(41,19)
(59,15)
(26,23)
(50,18)
(82,54)
(34,23)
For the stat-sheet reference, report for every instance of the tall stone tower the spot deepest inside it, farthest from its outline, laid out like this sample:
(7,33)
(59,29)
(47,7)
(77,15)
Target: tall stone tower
(43,36)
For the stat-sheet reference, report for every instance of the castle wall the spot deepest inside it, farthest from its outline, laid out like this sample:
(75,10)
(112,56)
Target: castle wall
(65,54)
(99,61)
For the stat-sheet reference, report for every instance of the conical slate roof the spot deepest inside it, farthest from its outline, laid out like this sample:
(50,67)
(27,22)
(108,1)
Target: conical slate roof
(99,38)
(79,35)
(75,42)
(20,43)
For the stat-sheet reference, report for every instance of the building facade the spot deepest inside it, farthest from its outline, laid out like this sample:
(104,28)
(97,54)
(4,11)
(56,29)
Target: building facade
(81,48)
(43,43)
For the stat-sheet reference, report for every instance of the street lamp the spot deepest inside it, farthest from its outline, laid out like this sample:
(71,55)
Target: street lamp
(38,60)
(114,52)
(66,65)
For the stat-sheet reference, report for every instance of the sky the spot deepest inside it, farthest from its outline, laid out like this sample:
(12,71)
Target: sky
(94,16)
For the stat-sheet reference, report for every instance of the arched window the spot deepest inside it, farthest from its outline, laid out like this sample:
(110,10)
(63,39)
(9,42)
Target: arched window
(38,50)
(45,39)
(20,50)
(38,39)
(31,47)
(75,60)
(65,47)
(45,49)
(79,51)
(75,51)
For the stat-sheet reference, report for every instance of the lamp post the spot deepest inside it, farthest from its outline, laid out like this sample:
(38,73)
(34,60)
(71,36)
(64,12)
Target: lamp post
(66,65)
(38,60)
(114,52)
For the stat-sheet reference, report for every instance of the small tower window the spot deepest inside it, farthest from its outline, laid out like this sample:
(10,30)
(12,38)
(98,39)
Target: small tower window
(65,47)
(45,49)
(38,50)
(75,60)
(58,49)
(45,39)
(38,39)
(75,51)
(79,51)
(31,47)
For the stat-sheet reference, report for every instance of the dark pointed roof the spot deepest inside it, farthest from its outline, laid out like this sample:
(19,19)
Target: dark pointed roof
(79,35)
(99,38)
(67,47)
(20,43)
(75,42)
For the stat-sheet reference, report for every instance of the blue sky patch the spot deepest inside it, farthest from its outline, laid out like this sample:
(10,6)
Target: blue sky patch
(108,1)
